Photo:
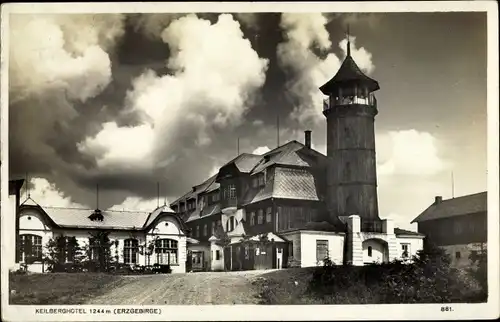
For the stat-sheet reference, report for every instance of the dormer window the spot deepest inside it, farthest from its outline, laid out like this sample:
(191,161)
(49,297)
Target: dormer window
(96,215)
(261,179)
(255,182)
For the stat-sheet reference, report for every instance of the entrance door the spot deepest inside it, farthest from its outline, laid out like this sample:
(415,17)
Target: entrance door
(197,260)
(227,258)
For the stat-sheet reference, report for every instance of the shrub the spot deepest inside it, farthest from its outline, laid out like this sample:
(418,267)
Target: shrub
(428,279)
(292,262)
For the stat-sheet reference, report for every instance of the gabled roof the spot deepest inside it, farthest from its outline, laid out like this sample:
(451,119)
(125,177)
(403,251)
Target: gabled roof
(292,153)
(464,205)
(244,162)
(112,219)
(349,72)
(202,187)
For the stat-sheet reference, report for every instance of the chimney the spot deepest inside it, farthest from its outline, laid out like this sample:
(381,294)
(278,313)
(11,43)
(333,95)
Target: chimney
(307,137)
(438,200)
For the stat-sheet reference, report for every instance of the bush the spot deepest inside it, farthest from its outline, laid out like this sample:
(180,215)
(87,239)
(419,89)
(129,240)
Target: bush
(292,262)
(428,279)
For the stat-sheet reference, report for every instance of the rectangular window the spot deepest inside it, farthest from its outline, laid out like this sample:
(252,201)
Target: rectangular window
(212,225)
(457,255)
(252,218)
(290,249)
(205,230)
(31,248)
(166,251)
(321,250)
(197,231)
(130,251)
(232,191)
(269,214)
(260,217)
(217,255)
(255,182)
(405,250)
(261,179)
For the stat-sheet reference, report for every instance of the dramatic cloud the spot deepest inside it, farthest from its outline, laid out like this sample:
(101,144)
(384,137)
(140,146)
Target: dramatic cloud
(409,153)
(47,194)
(153,24)
(305,34)
(208,91)
(261,150)
(140,204)
(58,53)
(56,63)
(248,19)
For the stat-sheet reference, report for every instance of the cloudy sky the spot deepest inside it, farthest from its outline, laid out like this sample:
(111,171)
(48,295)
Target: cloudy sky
(126,101)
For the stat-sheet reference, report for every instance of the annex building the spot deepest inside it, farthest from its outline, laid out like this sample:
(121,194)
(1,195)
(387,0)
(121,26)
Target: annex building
(458,225)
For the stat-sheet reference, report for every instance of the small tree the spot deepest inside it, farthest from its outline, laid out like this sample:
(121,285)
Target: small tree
(62,249)
(479,269)
(99,250)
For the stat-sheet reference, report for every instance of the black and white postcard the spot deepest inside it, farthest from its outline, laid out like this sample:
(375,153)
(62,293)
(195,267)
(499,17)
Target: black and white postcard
(249,161)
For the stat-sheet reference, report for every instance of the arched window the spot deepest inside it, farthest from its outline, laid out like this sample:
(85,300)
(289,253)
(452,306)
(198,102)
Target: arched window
(166,251)
(370,251)
(130,251)
(31,248)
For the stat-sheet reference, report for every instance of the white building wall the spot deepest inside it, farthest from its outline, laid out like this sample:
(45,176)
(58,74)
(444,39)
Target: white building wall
(307,244)
(216,265)
(32,222)
(168,228)
(415,244)
(464,251)
(378,248)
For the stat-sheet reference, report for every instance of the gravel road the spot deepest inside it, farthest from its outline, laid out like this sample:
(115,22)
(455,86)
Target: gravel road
(184,289)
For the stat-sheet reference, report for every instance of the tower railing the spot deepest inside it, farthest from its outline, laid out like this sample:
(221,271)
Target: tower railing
(333,101)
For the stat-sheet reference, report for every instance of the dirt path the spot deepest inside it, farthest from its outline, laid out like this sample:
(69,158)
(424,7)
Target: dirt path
(184,289)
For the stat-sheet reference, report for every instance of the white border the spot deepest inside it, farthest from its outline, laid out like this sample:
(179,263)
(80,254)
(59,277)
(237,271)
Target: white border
(250,312)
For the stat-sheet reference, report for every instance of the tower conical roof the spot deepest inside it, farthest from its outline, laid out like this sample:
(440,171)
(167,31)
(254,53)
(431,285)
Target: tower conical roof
(349,74)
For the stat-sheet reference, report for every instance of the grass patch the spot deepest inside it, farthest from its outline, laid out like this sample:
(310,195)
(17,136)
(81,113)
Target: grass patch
(59,288)
(286,286)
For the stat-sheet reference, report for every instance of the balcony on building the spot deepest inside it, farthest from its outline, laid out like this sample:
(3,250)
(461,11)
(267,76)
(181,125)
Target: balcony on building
(229,200)
(372,226)
(360,99)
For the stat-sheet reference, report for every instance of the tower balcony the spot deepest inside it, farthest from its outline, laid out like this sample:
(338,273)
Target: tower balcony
(334,101)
